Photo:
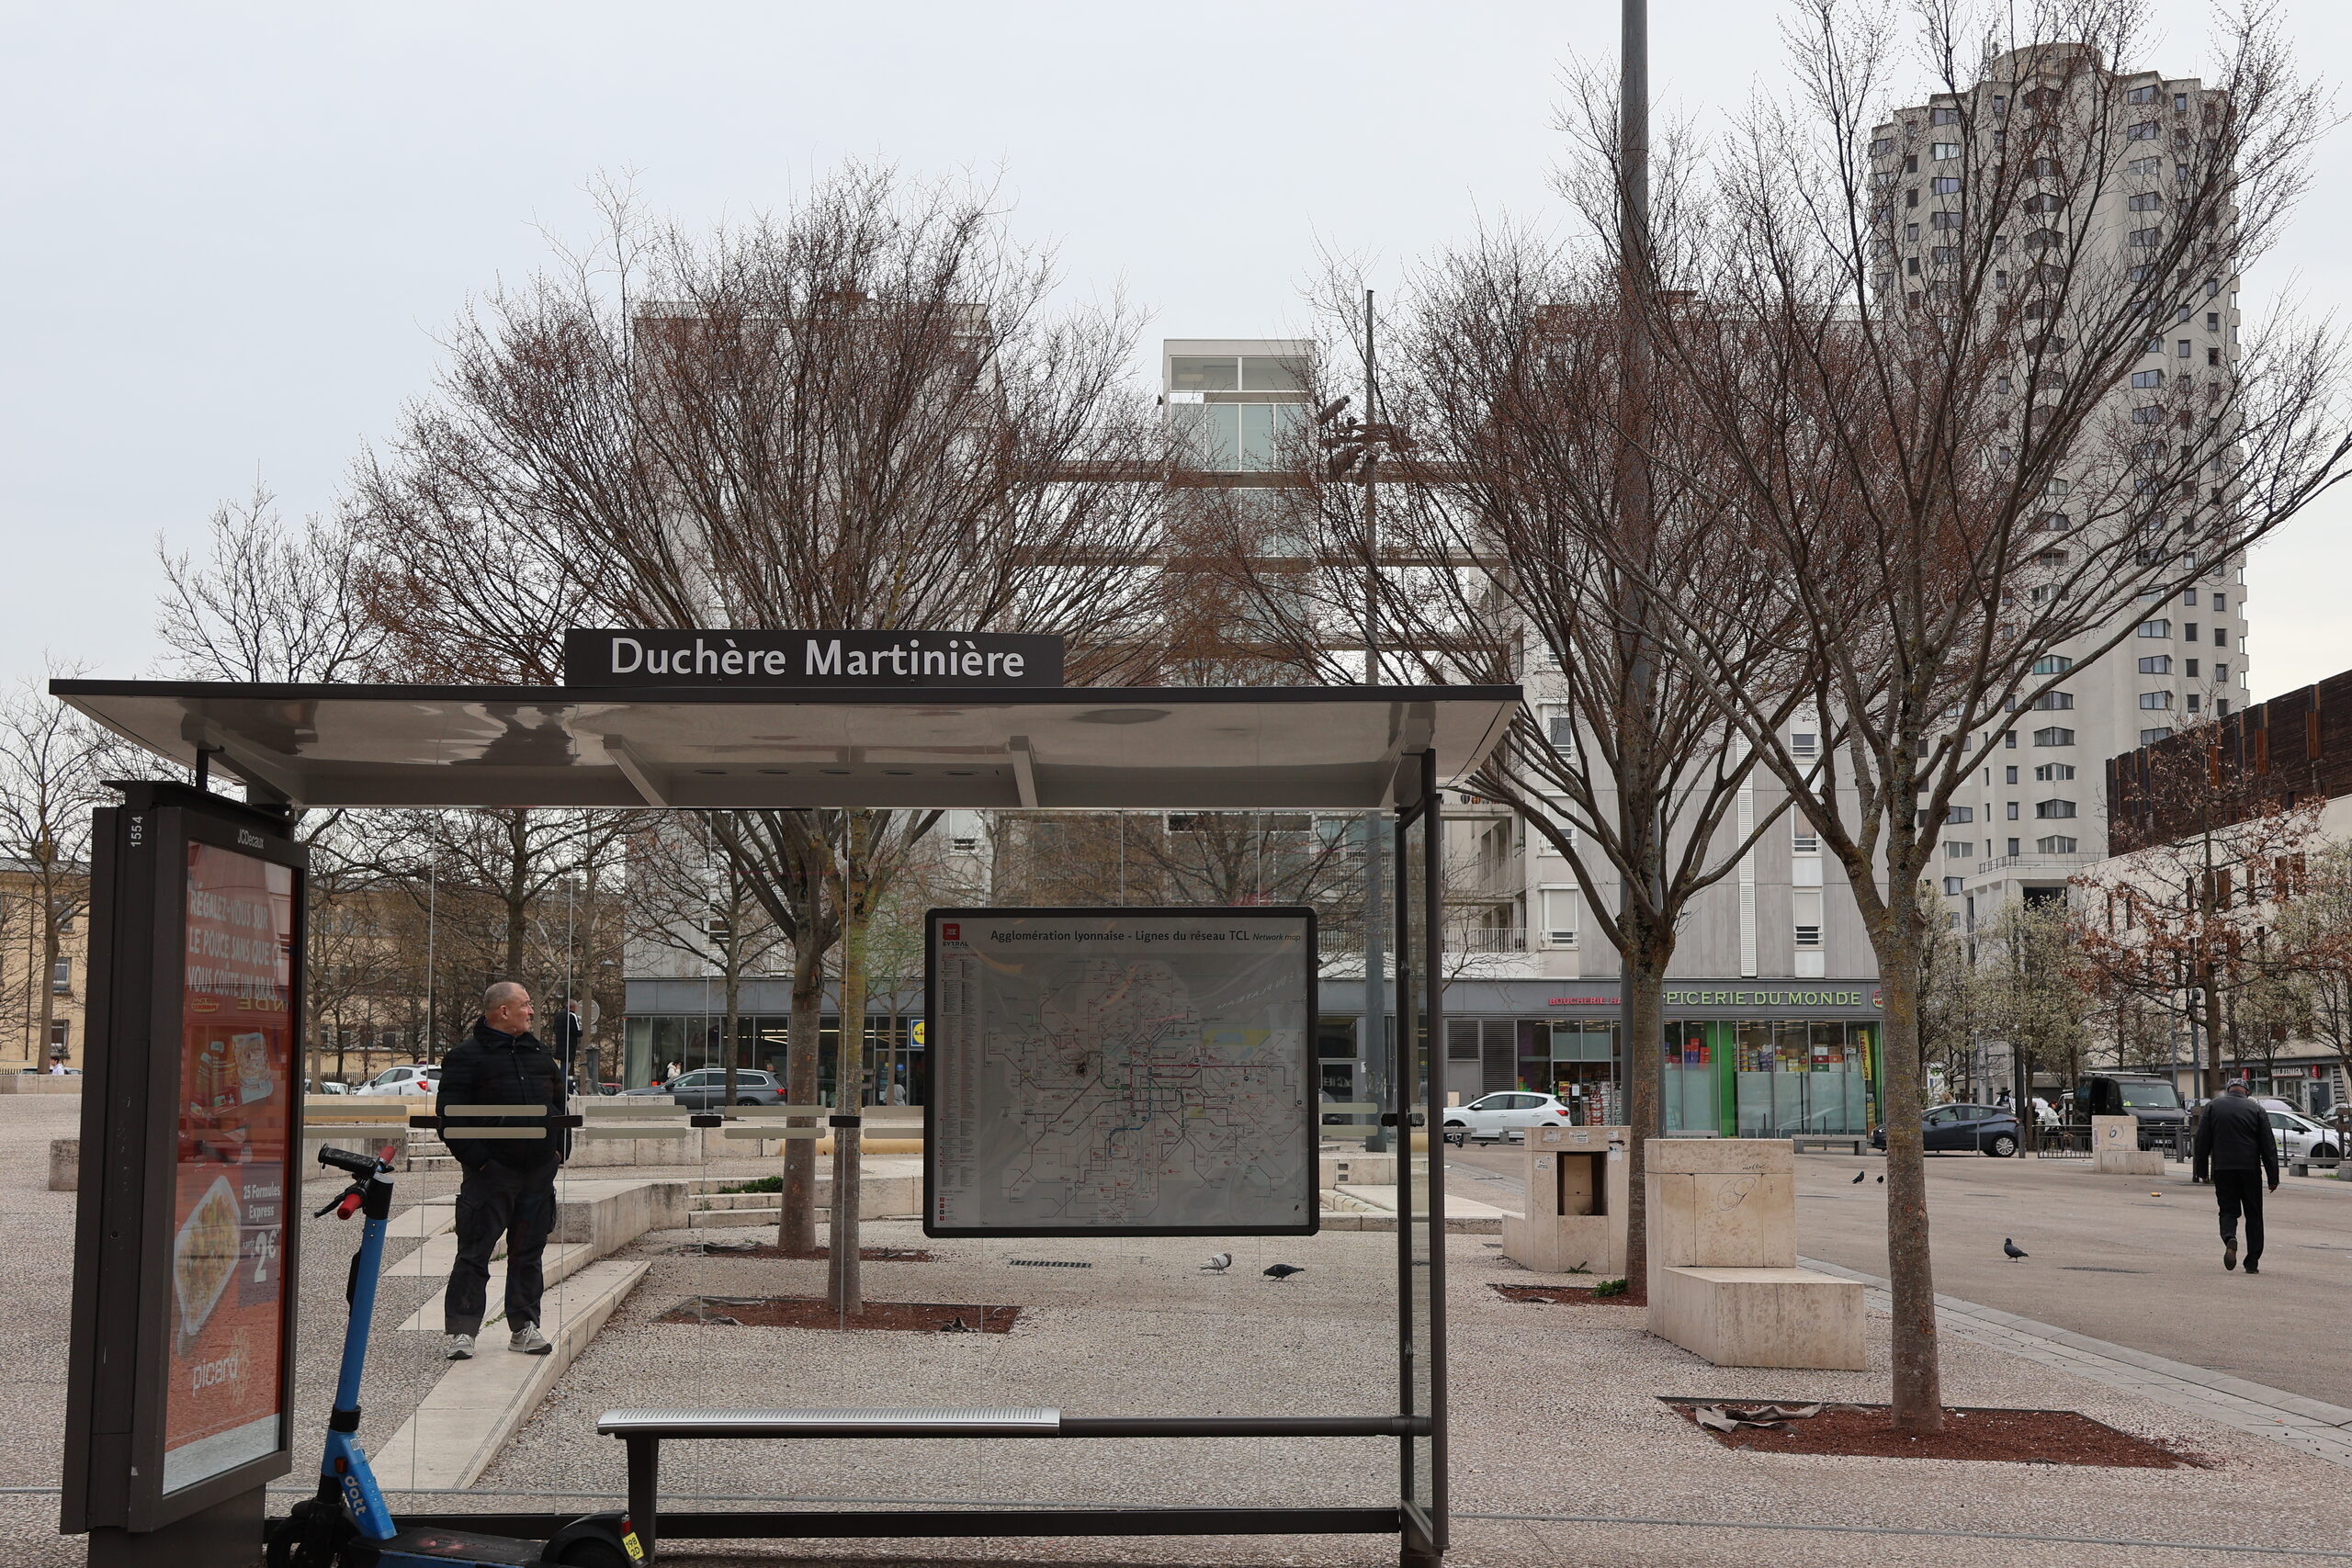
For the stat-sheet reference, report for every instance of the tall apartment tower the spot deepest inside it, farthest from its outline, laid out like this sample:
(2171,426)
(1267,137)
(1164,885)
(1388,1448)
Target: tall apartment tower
(2036,814)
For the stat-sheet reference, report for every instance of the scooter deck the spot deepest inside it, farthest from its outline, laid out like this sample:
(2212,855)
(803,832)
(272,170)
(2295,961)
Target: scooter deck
(428,1548)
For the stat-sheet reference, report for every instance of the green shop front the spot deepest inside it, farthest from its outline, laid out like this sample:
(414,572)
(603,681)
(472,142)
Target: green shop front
(1737,1059)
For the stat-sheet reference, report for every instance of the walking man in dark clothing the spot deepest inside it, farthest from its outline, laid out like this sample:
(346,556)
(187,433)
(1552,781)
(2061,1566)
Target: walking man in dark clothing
(2236,1144)
(509,1185)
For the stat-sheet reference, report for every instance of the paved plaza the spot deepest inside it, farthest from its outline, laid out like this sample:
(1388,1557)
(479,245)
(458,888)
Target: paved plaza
(1562,1451)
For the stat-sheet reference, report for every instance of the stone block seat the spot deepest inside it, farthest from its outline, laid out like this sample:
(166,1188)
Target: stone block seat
(1724,1280)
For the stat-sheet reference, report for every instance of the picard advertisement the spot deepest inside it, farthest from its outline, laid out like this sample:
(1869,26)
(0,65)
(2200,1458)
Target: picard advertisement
(236,1115)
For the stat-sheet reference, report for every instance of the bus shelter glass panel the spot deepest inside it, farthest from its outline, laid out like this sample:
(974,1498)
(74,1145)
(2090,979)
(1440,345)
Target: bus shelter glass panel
(1752,1060)
(1694,1050)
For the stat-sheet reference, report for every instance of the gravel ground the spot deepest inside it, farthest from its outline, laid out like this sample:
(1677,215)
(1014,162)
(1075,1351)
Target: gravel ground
(1555,1411)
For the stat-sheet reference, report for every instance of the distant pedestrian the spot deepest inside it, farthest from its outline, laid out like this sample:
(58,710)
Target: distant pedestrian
(2002,1102)
(2234,1143)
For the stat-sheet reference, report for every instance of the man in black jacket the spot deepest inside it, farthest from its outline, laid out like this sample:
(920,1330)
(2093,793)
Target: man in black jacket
(2235,1143)
(509,1185)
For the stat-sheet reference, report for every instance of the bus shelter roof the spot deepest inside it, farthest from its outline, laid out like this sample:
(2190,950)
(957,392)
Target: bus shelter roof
(1328,748)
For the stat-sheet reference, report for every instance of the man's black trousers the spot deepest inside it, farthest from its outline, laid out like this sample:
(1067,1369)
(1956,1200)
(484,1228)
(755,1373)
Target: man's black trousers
(497,1201)
(2235,1189)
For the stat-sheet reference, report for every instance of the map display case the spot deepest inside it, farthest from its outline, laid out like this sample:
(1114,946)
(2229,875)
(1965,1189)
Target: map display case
(1121,1072)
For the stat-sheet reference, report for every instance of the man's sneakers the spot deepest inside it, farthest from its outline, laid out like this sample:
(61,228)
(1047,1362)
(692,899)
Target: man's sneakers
(461,1346)
(2230,1255)
(530,1341)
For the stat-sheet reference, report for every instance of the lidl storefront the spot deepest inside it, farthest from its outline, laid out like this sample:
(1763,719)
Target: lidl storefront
(1740,1058)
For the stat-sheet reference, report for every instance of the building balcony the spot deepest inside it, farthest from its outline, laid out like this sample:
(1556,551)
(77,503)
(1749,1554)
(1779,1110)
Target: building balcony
(2035,865)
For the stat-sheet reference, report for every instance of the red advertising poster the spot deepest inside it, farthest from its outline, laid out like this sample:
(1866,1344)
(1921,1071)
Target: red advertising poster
(237,1117)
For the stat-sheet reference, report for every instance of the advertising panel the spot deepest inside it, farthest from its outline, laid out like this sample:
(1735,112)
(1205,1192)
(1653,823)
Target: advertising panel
(1121,1072)
(238,1113)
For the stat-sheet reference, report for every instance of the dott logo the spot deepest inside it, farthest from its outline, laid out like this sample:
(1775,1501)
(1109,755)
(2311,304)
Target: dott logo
(950,931)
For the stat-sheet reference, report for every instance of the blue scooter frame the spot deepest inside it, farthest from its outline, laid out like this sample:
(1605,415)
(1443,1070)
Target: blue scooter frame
(347,1524)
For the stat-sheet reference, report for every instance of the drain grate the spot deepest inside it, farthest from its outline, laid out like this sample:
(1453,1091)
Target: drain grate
(2093,1268)
(1046,1263)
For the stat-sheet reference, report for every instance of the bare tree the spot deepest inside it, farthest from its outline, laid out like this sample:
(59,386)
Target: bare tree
(2027,988)
(269,601)
(1909,371)
(864,413)
(2317,925)
(49,772)
(1507,469)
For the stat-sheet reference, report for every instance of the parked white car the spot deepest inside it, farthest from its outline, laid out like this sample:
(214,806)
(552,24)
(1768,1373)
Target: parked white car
(411,1079)
(1507,1116)
(2299,1137)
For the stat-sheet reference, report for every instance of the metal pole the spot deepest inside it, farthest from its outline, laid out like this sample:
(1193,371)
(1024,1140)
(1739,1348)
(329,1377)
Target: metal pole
(1633,497)
(1373,1037)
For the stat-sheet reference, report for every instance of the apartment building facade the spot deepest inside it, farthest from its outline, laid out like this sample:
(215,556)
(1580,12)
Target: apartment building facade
(1772,1013)
(2035,815)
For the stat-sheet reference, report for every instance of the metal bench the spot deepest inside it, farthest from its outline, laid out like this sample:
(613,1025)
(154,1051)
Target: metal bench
(644,1431)
(1852,1144)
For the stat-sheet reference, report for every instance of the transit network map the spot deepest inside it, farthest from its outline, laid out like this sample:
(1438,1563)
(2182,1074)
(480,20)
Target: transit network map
(1121,1072)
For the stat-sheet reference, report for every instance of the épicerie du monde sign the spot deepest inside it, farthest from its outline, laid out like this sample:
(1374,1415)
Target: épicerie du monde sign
(787,658)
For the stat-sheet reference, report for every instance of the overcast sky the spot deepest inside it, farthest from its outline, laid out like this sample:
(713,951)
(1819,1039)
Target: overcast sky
(236,230)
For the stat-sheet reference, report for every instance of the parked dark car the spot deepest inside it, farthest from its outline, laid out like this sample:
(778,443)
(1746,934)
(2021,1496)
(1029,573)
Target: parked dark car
(705,1089)
(1965,1129)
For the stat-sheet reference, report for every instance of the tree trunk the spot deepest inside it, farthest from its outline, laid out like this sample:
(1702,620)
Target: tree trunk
(518,865)
(734,1010)
(1918,1378)
(843,1282)
(1644,978)
(45,983)
(797,1225)
(2212,1002)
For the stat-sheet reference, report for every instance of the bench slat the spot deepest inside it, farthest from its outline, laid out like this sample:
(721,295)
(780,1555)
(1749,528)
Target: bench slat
(873,1422)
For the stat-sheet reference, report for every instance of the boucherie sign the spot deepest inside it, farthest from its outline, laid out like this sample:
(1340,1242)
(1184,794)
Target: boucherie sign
(649,658)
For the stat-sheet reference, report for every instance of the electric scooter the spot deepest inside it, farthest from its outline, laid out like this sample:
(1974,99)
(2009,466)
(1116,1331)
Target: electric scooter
(347,1525)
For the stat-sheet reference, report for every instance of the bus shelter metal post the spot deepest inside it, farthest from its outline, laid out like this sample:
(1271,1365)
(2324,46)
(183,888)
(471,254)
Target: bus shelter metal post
(1420,1305)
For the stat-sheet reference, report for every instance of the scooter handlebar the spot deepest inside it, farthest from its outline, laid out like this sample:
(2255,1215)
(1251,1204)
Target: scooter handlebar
(361,1166)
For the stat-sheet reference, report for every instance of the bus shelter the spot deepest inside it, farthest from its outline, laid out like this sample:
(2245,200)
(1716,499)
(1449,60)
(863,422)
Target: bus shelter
(193,1114)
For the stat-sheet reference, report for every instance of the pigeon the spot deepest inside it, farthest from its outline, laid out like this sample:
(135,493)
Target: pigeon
(1284,1270)
(957,1325)
(2012,1249)
(1882,1182)
(1858,1177)
(1218,1263)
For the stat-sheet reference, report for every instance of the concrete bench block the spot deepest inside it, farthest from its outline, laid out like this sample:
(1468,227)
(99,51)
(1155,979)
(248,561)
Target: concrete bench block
(1760,1317)
(609,1214)
(64,1164)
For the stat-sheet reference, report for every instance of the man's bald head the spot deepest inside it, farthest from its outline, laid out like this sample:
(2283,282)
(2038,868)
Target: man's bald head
(506,1006)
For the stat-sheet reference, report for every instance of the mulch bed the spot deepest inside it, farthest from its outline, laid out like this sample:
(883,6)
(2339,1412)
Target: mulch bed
(2020,1437)
(1564,1295)
(813,1312)
(813,1255)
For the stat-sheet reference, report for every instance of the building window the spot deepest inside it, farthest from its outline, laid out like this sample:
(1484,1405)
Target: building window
(2194,702)
(2143,132)
(1944,115)
(2150,737)
(2155,699)
(1808,936)
(1804,747)
(2189,667)
(1560,730)
(2156,664)
(2141,95)
(2145,239)
(2049,771)
(1951,886)
(2056,844)
(2013,811)
(1805,842)
(1559,916)
(2146,379)
(1959,848)
(2146,201)
(2156,628)
(1940,151)
(2052,664)
(2053,735)
(2051,700)
(1945,184)
(1961,814)
(61,978)
(2047,809)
